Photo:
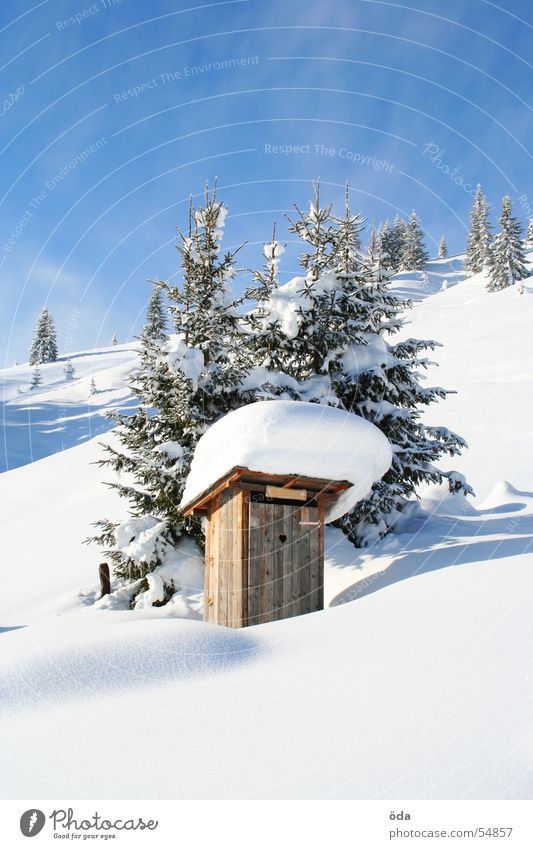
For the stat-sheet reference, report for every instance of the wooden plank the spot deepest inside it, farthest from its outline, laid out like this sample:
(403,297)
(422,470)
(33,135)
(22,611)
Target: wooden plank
(213,563)
(271,557)
(306,534)
(277,563)
(224,572)
(254,554)
(285,492)
(320,556)
(243,529)
(287,558)
(265,549)
(298,556)
(236,566)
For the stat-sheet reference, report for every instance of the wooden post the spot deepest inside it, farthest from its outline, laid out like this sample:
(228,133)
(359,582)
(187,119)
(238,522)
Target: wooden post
(105,581)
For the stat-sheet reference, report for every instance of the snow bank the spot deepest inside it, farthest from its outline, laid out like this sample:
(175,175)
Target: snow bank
(293,437)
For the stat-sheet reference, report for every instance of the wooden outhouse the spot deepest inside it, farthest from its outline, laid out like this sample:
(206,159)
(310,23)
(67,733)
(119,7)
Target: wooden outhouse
(264,557)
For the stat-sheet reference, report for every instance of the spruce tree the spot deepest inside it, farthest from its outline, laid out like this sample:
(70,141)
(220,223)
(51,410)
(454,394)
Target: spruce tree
(479,236)
(36,377)
(381,382)
(443,248)
(114,340)
(68,371)
(156,319)
(92,387)
(379,247)
(507,260)
(414,254)
(268,345)
(44,345)
(337,353)
(184,383)
(386,246)
(399,238)
(373,246)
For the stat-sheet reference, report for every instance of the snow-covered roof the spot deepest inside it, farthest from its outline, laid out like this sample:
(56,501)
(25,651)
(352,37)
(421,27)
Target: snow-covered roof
(293,438)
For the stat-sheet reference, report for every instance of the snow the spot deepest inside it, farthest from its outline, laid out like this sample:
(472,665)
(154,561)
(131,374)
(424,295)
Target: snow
(137,538)
(418,285)
(486,357)
(293,437)
(287,303)
(413,683)
(373,354)
(395,694)
(185,358)
(62,413)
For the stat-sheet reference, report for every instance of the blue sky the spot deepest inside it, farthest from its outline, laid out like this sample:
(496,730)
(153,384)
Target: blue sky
(114,112)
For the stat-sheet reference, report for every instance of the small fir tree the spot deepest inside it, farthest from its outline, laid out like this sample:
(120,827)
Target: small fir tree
(507,260)
(92,387)
(44,345)
(68,371)
(478,245)
(443,248)
(156,320)
(414,254)
(36,377)
(114,340)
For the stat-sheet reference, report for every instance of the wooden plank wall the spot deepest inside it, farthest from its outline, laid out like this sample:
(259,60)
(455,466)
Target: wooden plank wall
(286,562)
(225,543)
(262,563)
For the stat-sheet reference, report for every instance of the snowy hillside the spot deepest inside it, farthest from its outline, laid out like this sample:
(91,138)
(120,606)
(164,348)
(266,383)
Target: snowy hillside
(415,683)
(60,414)
(486,357)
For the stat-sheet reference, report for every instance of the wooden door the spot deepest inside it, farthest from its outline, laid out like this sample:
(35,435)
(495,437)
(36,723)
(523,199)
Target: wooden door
(285,561)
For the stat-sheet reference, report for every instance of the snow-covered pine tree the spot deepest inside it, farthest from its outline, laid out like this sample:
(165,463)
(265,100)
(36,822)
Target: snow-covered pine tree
(373,246)
(382,383)
(399,237)
(414,253)
(337,352)
(268,345)
(184,383)
(295,327)
(156,317)
(386,243)
(44,345)
(92,387)
(443,248)
(507,260)
(315,229)
(379,247)
(529,236)
(114,340)
(315,329)
(68,371)
(36,377)
(391,242)
(479,236)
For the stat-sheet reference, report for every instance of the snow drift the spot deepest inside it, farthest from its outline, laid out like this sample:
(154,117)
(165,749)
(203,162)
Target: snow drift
(293,437)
